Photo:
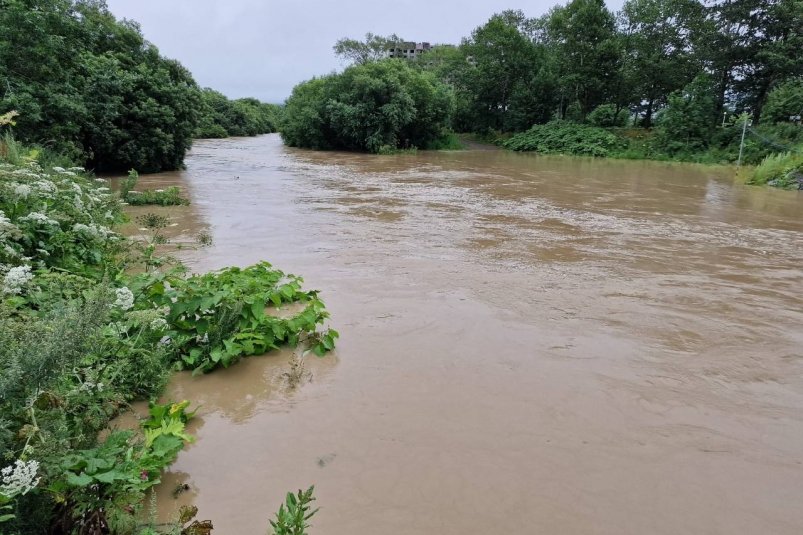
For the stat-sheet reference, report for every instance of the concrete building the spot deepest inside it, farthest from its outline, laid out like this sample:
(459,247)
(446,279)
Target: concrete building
(408,50)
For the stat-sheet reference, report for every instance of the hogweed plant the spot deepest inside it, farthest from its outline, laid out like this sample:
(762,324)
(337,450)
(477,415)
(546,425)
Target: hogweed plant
(90,321)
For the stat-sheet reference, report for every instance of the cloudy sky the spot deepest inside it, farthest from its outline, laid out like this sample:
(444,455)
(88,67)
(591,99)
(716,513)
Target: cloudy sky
(262,48)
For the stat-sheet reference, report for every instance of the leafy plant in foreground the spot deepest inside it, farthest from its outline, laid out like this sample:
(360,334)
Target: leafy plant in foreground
(293,515)
(216,318)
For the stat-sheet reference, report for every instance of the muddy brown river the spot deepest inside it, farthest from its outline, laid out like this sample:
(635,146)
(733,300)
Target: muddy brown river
(528,345)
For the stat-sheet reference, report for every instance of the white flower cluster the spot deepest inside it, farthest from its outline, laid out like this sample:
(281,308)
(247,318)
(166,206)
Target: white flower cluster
(19,478)
(39,217)
(21,191)
(16,279)
(45,188)
(7,228)
(159,324)
(95,231)
(125,299)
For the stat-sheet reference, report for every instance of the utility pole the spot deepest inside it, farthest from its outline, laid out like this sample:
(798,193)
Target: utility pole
(744,131)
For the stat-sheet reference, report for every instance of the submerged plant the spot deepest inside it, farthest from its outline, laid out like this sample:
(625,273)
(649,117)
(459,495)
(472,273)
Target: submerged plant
(293,515)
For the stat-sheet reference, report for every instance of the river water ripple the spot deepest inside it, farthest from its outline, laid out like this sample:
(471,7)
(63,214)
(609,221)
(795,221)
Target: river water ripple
(529,345)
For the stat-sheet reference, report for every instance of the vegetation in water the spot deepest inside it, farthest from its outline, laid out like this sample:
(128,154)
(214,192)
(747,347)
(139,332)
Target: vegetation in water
(294,514)
(783,170)
(170,196)
(567,138)
(81,336)
(376,107)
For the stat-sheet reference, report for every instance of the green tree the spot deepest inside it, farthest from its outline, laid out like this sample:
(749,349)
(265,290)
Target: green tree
(504,76)
(660,58)
(783,102)
(370,107)
(751,46)
(373,48)
(582,36)
(686,124)
(91,87)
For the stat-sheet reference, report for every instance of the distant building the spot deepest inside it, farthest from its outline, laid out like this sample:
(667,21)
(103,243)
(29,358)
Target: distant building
(408,50)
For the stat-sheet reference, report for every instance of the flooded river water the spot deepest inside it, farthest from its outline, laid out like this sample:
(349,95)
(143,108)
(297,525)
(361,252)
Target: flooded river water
(528,345)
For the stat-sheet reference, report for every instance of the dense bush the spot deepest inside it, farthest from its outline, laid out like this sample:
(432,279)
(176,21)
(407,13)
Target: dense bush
(221,117)
(607,116)
(92,87)
(687,123)
(372,107)
(564,137)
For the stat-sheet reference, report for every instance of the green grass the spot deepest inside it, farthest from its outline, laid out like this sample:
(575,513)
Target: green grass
(448,141)
(782,170)
(161,197)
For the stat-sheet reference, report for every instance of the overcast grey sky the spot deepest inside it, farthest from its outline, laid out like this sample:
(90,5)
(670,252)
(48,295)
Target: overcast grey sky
(262,48)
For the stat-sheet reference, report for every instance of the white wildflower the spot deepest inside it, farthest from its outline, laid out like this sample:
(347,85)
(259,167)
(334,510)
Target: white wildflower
(165,341)
(59,169)
(108,214)
(10,251)
(159,324)
(21,191)
(77,188)
(103,189)
(76,169)
(45,187)
(16,279)
(78,203)
(7,228)
(100,180)
(19,479)
(39,217)
(125,299)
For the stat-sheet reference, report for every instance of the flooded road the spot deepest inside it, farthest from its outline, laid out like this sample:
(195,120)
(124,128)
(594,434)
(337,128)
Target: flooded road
(528,345)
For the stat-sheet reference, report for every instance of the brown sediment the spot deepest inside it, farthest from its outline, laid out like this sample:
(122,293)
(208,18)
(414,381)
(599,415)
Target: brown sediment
(528,345)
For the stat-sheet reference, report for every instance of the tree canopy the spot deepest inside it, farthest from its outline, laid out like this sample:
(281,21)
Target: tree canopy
(372,107)
(93,89)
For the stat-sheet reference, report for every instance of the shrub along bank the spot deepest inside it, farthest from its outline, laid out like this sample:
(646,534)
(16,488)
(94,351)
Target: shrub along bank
(377,107)
(81,337)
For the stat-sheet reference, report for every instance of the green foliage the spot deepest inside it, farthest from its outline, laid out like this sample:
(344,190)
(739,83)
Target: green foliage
(563,137)
(783,102)
(77,345)
(784,170)
(294,514)
(582,36)
(221,117)
(92,87)
(607,116)
(448,141)
(373,48)
(102,485)
(687,123)
(59,219)
(216,318)
(163,197)
(370,107)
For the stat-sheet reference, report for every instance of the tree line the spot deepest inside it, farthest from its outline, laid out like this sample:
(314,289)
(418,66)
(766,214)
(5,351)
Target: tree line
(688,67)
(91,87)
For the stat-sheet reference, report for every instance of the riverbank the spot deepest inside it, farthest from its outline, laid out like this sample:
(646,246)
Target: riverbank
(92,321)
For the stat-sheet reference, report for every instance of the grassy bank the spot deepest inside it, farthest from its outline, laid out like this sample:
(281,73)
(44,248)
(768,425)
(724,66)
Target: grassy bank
(90,321)
(761,146)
